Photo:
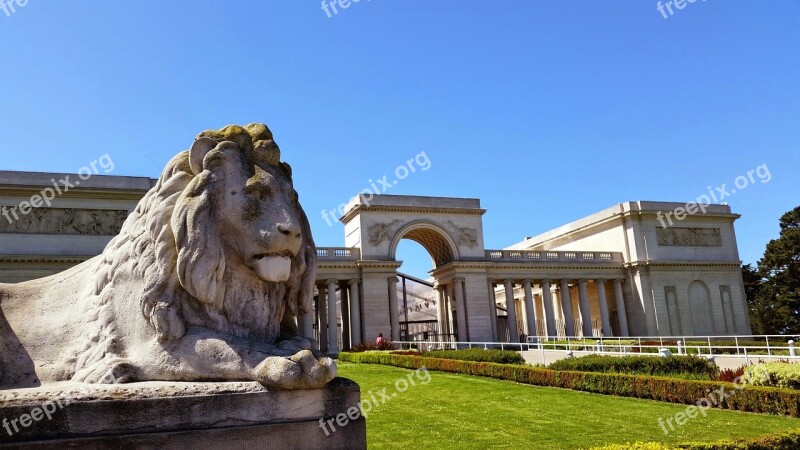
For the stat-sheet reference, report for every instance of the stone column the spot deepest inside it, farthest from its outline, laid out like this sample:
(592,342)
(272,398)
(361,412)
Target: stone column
(355,313)
(621,315)
(586,314)
(530,310)
(601,297)
(566,307)
(307,320)
(461,309)
(513,331)
(547,306)
(558,313)
(322,318)
(452,326)
(441,311)
(493,310)
(344,307)
(394,315)
(333,341)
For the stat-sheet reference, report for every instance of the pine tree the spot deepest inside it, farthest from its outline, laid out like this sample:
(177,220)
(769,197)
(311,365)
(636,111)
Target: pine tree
(773,290)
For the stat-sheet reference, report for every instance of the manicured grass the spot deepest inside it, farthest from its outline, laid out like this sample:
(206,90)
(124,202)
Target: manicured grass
(464,412)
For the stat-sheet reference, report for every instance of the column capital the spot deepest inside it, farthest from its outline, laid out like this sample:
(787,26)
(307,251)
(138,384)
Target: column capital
(353,281)
(393,279)
(527,281)
(458,279)
(331,281)
(583,281)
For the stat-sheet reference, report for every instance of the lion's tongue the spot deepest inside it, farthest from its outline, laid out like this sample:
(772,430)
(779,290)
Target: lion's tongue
(273,268)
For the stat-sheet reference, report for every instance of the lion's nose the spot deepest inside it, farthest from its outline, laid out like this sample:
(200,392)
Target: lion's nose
(290,229)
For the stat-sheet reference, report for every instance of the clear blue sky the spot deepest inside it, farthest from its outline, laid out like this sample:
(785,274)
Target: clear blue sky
(546,111)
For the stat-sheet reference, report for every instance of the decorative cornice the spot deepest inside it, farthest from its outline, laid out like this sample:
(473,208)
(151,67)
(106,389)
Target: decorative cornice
(34,259)
(338,265)
(356,210)
(374,264)
(93,194)
(683,264)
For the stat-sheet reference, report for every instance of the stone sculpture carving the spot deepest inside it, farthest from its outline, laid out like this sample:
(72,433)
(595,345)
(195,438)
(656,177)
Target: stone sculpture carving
(466,236)
(103,222)
(685,237)
(204,282)
(381,232)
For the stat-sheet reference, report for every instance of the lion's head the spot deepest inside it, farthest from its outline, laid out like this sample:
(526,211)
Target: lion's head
(231,236)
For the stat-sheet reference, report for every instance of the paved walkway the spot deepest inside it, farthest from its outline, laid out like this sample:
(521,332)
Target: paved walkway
(548,357)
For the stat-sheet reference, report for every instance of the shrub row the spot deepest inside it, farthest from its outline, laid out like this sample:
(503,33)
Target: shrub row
(751,399)
(782,441)
(640,365)
(775,374)
(474,354)
(368,347)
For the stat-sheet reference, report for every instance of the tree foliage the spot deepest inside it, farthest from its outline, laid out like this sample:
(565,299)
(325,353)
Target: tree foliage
(773,288)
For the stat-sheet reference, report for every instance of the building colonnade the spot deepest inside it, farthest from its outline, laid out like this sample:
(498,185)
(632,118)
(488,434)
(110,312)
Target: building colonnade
(555,310)
(322,321)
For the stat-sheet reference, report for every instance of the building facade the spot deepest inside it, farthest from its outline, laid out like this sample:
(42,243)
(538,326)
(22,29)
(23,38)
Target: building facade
(618,272)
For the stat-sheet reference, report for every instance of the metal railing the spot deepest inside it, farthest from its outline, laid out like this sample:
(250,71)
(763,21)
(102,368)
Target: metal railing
(755,346)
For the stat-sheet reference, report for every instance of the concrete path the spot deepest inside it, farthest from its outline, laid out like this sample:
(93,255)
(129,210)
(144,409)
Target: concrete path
(548,357)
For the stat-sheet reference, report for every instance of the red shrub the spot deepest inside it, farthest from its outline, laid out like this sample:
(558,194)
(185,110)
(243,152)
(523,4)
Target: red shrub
(729,375)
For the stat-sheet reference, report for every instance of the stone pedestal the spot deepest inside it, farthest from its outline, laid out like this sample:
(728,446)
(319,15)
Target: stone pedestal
(164,415)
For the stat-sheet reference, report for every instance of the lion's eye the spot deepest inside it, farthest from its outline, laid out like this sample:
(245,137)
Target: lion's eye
(258,190)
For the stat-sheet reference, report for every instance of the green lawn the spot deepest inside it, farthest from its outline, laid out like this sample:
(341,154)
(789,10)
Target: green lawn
(463,412)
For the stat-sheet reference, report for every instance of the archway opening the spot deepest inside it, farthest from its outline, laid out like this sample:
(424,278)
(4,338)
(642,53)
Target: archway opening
(440,249)
(417,261)
(417,299)
(422,313)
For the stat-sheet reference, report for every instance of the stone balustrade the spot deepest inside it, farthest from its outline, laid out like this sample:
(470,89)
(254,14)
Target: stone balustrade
(338,253)
(554,257)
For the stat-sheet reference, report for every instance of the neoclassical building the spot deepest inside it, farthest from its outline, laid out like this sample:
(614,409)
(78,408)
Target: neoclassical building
(618,272)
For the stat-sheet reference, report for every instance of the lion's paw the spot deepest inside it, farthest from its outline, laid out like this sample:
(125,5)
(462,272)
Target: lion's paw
(300,371)
(112,371)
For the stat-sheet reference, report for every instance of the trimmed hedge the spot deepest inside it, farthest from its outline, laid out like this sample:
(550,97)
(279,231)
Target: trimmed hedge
(640,365)
(384,345)
(776,374)
(789,440)
(751,399)
(635,446)
(476,354)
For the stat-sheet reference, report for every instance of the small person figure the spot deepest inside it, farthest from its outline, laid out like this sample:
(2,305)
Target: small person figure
(379,340)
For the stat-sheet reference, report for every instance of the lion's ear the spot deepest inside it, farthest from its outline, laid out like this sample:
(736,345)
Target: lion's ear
(199,150)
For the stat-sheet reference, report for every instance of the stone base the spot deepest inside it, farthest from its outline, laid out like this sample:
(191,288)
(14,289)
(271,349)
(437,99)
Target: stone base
(179,416)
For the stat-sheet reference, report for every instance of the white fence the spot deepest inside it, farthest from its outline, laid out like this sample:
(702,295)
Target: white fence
(756,346)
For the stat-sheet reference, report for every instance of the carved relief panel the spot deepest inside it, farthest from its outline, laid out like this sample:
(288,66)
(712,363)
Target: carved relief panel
(100,222)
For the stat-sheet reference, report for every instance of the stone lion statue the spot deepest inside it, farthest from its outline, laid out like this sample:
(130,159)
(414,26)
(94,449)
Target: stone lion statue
(204,282)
